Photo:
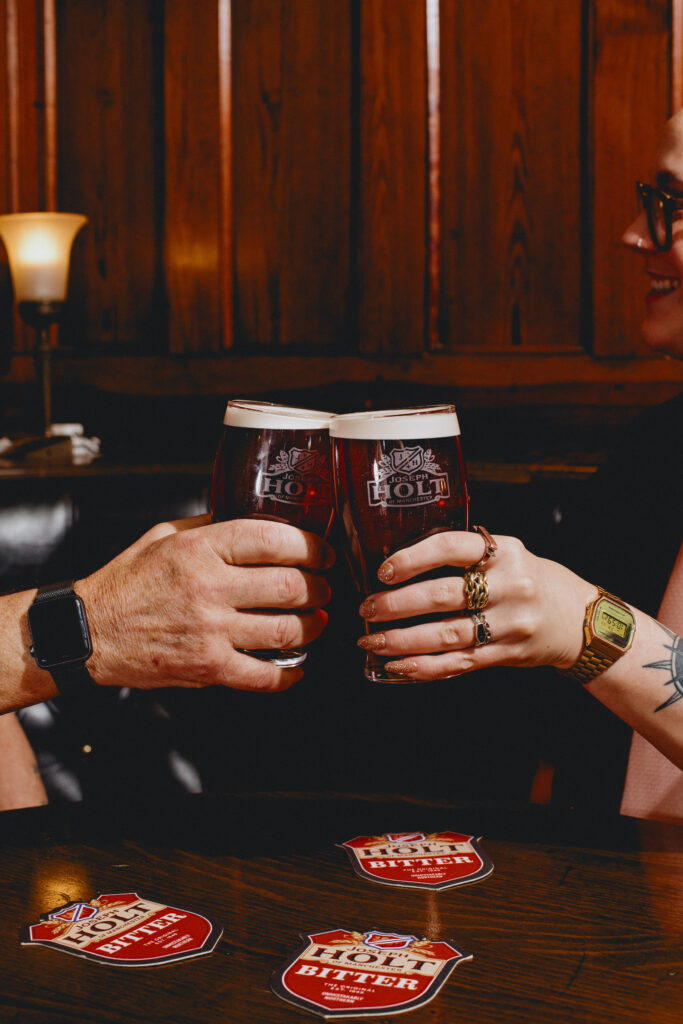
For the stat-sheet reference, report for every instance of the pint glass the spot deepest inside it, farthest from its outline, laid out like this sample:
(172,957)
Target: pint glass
(274,462)
(399,477)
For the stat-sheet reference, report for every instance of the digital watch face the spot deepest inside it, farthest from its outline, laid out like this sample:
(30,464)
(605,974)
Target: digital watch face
(613,624)
(59,631)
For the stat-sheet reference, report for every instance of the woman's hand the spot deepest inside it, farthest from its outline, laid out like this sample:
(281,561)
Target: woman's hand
(534,613)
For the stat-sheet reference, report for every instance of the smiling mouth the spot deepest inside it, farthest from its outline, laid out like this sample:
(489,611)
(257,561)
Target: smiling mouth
(663,285)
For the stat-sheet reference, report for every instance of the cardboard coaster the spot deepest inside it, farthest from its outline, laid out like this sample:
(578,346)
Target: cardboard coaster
(342,973)
(124,929)
(419,860)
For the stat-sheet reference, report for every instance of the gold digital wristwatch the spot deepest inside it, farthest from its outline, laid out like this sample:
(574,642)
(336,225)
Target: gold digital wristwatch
(608,630)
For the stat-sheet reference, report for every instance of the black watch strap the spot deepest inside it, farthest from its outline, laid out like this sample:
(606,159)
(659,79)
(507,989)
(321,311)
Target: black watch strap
(71,678)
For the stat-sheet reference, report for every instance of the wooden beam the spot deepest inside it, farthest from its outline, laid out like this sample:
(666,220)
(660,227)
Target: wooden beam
(196,375)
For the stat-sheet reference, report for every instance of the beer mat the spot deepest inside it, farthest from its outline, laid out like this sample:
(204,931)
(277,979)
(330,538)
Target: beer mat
(124,929)
(419,860)
(340,973)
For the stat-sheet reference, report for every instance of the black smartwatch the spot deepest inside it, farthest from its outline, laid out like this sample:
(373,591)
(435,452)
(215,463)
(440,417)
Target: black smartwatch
(61,639)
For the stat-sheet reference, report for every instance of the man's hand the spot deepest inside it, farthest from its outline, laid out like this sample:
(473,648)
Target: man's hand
(173,609)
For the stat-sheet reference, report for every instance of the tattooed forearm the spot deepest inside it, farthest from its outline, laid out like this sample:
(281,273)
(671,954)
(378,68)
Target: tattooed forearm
(673,664)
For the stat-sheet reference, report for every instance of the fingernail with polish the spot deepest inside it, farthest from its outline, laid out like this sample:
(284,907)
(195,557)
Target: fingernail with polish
(373,642)
(367,609)
(385,573)
(401,668)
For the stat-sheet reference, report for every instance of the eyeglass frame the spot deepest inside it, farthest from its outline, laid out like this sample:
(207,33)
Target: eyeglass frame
(670,203)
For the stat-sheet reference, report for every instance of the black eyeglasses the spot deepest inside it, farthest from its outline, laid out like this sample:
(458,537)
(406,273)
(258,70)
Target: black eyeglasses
(659,207)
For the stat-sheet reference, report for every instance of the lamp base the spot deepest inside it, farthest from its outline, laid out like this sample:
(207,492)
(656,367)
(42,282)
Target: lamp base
(39,314)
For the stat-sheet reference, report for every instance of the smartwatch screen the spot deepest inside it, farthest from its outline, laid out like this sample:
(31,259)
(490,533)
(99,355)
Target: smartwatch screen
(59,631)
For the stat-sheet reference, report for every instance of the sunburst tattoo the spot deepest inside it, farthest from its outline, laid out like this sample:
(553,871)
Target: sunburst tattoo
(674,665)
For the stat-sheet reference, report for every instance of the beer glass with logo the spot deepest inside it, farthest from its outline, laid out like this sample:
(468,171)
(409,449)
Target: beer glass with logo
(274,462)
(399,477)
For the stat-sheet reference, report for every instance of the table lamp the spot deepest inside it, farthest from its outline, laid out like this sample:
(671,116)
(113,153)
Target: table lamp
(39,249)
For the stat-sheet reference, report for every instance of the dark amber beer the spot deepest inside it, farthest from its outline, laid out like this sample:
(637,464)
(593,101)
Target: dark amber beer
(399,477)
(274,462)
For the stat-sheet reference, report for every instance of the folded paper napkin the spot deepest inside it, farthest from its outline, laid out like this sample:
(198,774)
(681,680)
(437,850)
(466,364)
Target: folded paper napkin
(83,449)
(70,445)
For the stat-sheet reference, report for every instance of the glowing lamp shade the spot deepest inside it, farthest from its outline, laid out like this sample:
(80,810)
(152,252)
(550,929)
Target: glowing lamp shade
(39,249)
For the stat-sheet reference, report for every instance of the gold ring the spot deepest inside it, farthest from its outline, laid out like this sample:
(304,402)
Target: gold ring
(476,590)
(490,547)
(482,630)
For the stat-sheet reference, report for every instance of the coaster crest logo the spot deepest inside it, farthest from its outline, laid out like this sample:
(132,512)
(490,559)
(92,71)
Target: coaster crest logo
(388,940)
(406,477)
(299,476)
(74,912)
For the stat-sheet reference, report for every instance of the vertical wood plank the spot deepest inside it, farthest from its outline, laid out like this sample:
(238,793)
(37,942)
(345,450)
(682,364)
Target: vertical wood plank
(193,204)
(433,13)
(291,170)
(392,231)
(630,101)
(6,296)
(24,153)
(227,224)
(511,172)
(50,62)
(676,101)
(108,117)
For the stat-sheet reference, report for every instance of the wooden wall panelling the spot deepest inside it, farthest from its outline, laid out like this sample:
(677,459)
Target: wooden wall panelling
(291,156)
(510,174)
(226,258)
(433,298)
(23,132)
(6,297)
(50,92)
(392,208)
(192,163)
(676,50)
(108,127)
(630,100)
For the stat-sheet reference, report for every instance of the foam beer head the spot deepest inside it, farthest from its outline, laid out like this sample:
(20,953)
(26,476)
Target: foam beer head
(241,412)
(429,421)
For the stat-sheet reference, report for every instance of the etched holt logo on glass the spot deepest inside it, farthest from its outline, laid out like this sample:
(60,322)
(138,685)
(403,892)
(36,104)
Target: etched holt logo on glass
(299,476)
(406,477)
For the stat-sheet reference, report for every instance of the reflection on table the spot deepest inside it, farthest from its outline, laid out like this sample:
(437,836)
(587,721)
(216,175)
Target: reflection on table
(574,923)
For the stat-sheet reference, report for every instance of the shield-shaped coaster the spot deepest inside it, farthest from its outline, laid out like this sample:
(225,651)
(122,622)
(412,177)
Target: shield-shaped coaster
(124,929)
(419,860)
(342,973)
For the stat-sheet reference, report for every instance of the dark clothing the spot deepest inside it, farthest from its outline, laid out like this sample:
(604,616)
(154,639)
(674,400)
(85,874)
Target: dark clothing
(623,534)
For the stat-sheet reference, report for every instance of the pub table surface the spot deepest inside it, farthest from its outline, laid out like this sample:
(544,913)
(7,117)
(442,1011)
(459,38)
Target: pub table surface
(579,922)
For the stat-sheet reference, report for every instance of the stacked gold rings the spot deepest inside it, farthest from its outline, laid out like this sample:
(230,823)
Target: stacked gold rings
(476,590)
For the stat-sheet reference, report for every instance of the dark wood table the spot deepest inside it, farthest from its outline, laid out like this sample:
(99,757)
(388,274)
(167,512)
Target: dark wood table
(577,923)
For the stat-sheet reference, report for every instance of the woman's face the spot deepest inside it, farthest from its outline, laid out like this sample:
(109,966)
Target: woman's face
(662,328)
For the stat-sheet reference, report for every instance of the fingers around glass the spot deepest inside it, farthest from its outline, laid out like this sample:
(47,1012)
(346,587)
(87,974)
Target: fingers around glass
(276,631)
(452,634)
(282,587)
(443,596)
